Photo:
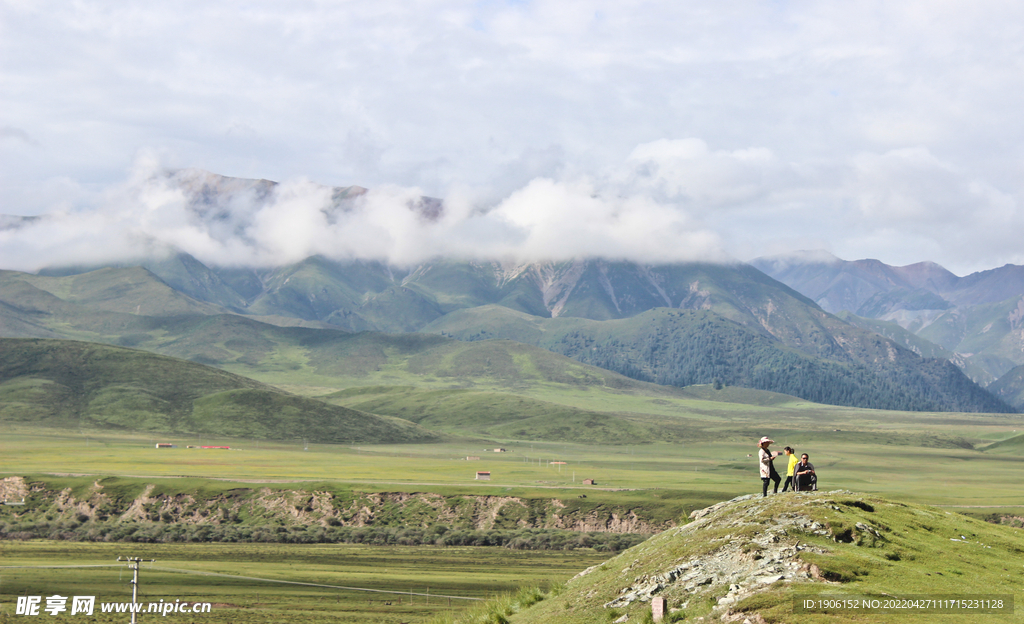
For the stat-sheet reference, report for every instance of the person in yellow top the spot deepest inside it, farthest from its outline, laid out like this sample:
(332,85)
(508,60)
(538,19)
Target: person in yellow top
(793,461)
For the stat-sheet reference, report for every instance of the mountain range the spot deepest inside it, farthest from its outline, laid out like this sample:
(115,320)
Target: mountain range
(728,324)
(976,321)
(766,325)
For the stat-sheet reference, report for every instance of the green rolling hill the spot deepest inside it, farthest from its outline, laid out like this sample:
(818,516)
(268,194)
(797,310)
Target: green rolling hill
(130,290)
(1012,445)
(1010,387)
(506,416)
(69,384)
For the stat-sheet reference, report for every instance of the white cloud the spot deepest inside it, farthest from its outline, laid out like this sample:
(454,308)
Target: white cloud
(231,222)
(763,122)
(687,171)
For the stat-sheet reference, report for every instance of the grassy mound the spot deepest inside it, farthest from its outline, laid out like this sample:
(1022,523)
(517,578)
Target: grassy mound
(1012,445)
(752,557)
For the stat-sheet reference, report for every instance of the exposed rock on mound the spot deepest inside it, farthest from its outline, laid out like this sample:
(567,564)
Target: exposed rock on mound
(742,564)
(13,489)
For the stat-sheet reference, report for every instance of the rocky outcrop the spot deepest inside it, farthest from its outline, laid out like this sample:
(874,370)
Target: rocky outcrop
(737,567)
(731,553)
(13,489)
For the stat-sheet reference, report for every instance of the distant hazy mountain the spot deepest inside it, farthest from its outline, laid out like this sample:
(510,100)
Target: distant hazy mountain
(841,285)
(978,318)
(855,286)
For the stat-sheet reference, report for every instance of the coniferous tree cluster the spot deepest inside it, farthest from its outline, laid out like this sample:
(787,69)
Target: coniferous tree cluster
(709,349)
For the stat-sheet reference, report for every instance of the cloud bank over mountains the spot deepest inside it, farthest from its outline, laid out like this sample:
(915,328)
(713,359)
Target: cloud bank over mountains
(657,130)
(232,222)
(668,201)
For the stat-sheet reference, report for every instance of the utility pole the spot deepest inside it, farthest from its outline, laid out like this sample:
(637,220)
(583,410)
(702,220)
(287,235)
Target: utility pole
(134,563)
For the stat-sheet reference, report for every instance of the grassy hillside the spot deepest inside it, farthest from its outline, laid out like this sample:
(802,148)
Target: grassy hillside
(752,558)
(1010,387)
(685,347)
(180,271)
(897,333)
(302,356)
(1013,445)
(987,328)
(132,290)
(74,384)
(116,306)
(507,416)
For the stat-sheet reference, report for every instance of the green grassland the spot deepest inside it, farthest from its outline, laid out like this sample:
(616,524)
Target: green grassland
(910,457)
(859,545)
(654,451)
(542,407)
(925,457)
(460,572)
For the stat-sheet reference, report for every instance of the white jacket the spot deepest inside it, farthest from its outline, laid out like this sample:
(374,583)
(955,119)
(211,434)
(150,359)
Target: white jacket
(765,457)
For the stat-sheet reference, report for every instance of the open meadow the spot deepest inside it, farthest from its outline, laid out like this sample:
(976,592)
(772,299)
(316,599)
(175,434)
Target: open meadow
(382,584)
(958,460)
(967,463)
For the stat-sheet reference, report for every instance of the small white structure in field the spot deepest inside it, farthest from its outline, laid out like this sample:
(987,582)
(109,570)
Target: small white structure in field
(483,476)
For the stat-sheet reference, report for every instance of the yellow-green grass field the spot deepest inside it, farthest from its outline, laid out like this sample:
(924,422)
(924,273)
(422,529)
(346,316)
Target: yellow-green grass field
(890,462)
(412,584)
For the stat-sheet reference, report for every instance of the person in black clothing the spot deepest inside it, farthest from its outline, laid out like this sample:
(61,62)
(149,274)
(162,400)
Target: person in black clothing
(806,480)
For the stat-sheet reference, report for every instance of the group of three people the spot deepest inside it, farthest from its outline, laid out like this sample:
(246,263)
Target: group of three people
(799,473)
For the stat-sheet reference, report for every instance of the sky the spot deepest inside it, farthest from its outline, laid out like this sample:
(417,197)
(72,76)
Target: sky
(654,131)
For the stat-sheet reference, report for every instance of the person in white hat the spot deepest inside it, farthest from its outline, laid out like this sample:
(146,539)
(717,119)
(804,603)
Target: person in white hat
(768,472)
